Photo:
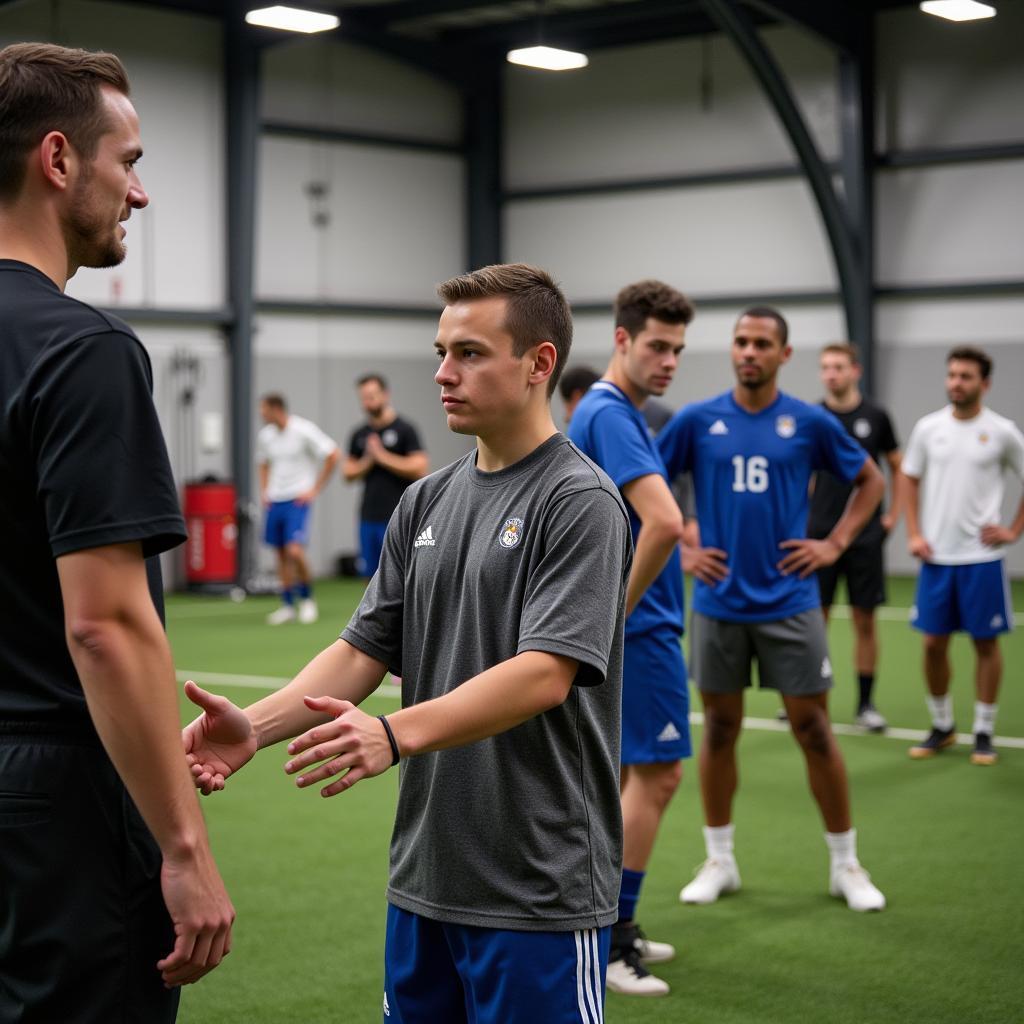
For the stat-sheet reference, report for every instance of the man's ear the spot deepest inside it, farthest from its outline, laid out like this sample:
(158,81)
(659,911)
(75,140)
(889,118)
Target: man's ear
(57,159)
(543,362)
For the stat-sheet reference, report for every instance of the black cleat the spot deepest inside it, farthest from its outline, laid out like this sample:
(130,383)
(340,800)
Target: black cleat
(935,741)
(983,752)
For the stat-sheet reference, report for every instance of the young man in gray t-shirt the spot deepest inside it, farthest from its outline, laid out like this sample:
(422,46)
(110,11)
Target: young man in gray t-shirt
(500,602)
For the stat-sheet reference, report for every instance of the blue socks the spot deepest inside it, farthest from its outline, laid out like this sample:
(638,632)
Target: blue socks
(629,893)
(303,590)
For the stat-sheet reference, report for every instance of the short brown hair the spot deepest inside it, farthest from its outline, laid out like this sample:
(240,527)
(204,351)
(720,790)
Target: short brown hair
(843,348)
(275,400)
(536,310)
(45,88)
(650,298)
(970,354)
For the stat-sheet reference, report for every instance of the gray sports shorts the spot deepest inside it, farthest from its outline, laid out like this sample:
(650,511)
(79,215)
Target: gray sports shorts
(791,654)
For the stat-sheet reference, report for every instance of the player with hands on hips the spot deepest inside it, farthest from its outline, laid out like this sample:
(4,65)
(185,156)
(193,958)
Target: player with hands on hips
(751,452)
(957,464)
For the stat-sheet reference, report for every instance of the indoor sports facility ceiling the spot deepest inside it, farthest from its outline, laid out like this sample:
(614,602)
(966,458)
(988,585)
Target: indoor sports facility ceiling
(486,27)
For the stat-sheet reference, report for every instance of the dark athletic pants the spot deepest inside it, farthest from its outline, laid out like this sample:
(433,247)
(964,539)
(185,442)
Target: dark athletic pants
(82,920)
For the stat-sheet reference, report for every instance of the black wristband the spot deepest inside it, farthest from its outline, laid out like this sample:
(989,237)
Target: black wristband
(395,756)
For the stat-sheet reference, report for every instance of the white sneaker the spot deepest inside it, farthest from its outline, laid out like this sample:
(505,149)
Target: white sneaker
(714,877)
(854,884)
(652,952)
(628,976)
(871,720)
(308,611)
(286,613)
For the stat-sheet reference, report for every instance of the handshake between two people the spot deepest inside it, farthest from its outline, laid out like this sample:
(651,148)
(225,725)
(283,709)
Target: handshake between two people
(346,746)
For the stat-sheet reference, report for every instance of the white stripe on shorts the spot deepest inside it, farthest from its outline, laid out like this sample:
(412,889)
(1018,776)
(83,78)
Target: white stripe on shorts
(588,978)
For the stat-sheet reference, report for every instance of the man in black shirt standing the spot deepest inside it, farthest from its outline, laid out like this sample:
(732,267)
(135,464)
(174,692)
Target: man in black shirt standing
(387,455)
(109,895)
(862,564)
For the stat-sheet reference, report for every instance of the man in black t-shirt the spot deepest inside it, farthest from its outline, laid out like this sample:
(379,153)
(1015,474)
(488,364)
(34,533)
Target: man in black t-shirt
(862,564)
(386,454)
(109,895)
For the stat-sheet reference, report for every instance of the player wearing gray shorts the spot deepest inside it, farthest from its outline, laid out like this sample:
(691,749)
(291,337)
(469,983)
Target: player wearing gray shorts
(791,654)
(752,452)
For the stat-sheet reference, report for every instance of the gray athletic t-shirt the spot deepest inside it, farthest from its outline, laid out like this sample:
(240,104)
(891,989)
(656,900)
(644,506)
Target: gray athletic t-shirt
(522,830)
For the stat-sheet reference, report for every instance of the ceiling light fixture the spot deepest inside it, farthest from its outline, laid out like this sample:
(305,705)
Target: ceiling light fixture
(546,58)
(958,10)
(292,19)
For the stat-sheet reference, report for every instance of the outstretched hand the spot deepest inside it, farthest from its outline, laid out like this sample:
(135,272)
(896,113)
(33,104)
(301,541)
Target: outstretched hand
(218,742)
(355,744)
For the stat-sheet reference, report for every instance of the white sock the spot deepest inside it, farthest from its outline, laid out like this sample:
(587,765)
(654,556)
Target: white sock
(985,718)
(941,709)
(718,841)
(842,848)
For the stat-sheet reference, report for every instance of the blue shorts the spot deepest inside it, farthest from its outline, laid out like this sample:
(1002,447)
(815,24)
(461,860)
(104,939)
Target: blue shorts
(655,699)
(438,973)
(287,523)
(974,598)
(371,544)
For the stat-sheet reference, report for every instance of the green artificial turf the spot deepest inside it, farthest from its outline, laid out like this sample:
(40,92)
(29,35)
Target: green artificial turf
(943,839)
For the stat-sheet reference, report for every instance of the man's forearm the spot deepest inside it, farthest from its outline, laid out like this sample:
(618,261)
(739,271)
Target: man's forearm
(326,471)
(654,547)
(897,502)
(911,493)
(127,676)
(411,466)
(1017,526)
(340,671)
(863,501)
(353,469)
(492,702)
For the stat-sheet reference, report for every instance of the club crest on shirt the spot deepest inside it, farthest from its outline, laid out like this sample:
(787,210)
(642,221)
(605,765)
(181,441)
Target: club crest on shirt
(511,532)
(861,428)
(389,438)
(785,426)
(983,437)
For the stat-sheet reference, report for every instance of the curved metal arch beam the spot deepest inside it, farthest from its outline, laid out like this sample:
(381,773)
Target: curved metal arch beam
(846,224)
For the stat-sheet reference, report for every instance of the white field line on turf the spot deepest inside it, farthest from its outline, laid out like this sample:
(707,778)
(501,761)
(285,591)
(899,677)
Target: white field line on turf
(696,718)
(205,679)
(887,613)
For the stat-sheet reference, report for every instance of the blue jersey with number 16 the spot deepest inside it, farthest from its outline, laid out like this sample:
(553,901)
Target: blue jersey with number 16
(750,473)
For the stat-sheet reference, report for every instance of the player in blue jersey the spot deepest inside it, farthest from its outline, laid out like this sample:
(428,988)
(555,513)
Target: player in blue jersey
(608,425)
(751,452)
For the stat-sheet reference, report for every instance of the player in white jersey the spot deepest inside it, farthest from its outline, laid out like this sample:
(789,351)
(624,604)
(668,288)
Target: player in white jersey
(956,466)
(296,458)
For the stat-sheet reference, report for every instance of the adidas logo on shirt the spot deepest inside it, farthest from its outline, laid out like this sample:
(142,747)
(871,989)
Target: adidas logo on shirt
(718,427)
(425,539)
(669,734)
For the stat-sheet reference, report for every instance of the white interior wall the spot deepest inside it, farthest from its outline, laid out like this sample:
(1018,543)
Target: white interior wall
(639,111)
(396,222)
(329,83)
(742,238)
(946,84)
(175,245)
